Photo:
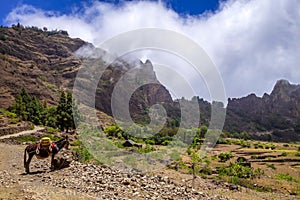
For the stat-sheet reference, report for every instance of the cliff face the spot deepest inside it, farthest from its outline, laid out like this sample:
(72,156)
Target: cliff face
(42,61)
(276,114)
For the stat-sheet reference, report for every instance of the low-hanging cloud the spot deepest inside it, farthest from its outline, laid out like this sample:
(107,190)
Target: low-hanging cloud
(252,42)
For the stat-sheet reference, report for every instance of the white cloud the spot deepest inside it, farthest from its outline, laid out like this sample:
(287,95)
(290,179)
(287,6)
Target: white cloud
(252,42)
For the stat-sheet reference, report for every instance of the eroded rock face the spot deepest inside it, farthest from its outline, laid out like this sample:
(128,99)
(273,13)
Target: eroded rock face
(278,112)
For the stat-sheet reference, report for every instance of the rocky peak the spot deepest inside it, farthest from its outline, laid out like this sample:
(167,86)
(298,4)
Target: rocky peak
(284,91)
(278,112)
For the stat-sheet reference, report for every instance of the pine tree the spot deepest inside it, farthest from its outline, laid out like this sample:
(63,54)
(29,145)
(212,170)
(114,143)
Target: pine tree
(28,108)
(69,111)
(61,112)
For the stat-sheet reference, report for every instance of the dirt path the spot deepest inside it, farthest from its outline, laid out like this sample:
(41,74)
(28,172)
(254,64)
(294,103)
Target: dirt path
(85,181)
(15,184)
(36,128)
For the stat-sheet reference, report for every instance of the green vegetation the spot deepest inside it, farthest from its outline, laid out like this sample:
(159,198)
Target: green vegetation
(82,152)
(271,166)
(29,108)
(286,177)
(27,138)
(239,171)
(225,156)
(284,154)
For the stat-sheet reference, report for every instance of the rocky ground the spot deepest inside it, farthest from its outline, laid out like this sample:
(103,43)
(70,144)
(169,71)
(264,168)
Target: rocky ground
(86,181)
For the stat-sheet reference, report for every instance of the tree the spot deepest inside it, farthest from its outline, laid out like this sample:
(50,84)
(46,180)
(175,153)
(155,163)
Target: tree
(61,112)
(203,131)
(27,107)
(65,119)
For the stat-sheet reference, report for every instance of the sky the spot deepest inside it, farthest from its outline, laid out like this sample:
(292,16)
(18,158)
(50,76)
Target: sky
(253,43)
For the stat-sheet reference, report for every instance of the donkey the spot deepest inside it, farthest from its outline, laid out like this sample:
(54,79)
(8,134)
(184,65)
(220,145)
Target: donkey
(31,150)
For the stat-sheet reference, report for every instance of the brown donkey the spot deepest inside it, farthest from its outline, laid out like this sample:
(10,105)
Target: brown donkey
(31,150)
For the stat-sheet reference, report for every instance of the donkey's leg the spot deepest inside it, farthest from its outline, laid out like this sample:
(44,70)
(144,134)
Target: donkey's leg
(52,161)
(28,162)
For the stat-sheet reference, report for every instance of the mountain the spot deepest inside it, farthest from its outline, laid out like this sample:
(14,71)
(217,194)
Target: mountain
(40,61)
(43,62)
(271,117)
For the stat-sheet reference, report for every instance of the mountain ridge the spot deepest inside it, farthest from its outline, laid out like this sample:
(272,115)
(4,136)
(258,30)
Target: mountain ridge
(44,63)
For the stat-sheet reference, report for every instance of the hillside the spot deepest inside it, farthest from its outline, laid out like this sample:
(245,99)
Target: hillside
(271,117)
(40,61)
(43,62)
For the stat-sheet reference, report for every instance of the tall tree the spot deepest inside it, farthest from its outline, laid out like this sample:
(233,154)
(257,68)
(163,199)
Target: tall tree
(65,115)
(61,112)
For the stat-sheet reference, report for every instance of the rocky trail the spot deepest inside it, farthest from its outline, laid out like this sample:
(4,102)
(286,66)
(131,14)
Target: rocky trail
(87,181)
(27,132)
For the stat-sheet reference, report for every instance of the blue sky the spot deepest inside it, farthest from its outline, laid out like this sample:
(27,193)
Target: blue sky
(253,43)
(192,7)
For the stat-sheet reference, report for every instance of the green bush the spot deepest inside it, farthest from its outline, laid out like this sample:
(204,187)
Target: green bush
(76,143)
(286,177)
(14,121)
(27,138)
(147,149)
(214,157)
(284,154)
(149,141)
(83,154)
(240,171)
(188,151)
(206,170)
(271,166)
(225,156)
(119,144)
(10,114)
(52,130)
(166,143)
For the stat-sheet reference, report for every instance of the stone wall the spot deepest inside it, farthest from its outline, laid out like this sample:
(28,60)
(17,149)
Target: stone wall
(12,130)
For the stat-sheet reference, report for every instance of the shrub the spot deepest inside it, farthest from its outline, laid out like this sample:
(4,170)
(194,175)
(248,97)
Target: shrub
(76,143)
(286,177)
(225,156)
(240,171)
(188,151)
(83,155)
(206,170)
(2,37)
(284,154)
(27,138)
(14,121)
(166,143)
(11,114)
(52,130)
(214,157)
(149,141)
(271,166)
(147,149)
